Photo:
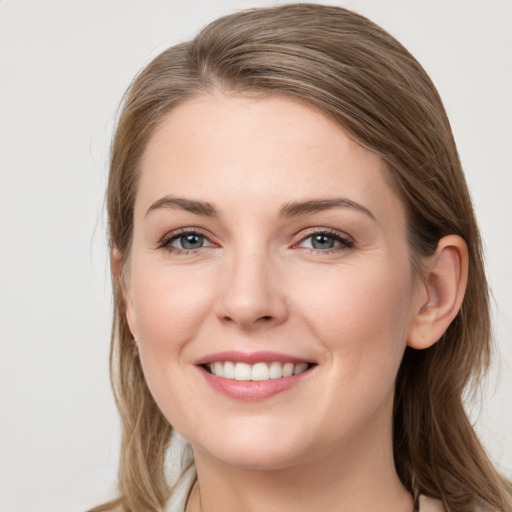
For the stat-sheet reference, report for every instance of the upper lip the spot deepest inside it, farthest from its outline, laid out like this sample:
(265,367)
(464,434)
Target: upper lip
(250,357)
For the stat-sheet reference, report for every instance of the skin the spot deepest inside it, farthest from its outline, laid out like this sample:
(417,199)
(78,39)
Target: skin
(258,283)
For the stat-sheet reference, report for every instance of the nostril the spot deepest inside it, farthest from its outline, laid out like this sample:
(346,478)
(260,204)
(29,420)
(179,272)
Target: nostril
(261,320)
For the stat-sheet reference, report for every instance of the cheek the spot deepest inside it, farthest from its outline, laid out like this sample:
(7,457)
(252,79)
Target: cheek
(168,308)
(167,304)
(361,318)
(360,313)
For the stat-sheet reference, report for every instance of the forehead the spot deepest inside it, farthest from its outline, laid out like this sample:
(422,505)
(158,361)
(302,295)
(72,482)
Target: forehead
(219,146)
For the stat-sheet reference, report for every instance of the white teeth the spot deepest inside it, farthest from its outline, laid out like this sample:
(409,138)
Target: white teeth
(217,368)
(228,372)
(288,369)
(260,371)
(242,371)
(256,372)
(275,370)
(299,368)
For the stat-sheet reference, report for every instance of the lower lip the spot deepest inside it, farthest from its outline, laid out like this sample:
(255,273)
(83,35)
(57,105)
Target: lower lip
(252,389)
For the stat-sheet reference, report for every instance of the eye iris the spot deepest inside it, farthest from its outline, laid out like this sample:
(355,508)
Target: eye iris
(322,242)
(191,241)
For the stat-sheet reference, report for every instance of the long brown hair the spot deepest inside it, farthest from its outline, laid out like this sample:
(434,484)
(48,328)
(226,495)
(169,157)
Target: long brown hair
(368,83)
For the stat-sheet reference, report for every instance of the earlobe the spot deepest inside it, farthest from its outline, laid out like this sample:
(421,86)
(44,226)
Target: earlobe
(445,280)
(116,265)
(119,270)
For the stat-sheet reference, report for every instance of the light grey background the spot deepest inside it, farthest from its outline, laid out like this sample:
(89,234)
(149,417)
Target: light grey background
(63,68)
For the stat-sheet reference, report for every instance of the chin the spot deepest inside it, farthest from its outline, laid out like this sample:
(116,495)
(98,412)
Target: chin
(256,449)
(256,458)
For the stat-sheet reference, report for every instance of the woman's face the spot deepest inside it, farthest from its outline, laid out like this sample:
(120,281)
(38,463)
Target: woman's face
(267,243)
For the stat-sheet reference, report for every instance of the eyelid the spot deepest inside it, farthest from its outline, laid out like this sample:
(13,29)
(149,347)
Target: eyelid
(346,241)
(165,241)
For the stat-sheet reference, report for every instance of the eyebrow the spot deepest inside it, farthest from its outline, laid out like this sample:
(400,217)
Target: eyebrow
(292,209)
(189,205)
(317,205)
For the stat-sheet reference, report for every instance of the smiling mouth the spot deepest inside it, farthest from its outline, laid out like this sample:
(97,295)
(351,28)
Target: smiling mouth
(255,372)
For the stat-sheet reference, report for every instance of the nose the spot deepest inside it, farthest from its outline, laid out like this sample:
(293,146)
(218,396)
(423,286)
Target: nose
(252,293)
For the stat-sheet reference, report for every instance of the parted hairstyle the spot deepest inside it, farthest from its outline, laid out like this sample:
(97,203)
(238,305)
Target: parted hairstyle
(358,75)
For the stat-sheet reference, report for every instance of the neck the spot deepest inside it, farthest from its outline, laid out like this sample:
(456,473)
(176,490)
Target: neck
(360,477)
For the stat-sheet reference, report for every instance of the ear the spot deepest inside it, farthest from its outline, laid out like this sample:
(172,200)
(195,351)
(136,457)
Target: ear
(120,270)
(116,266)
(444,281)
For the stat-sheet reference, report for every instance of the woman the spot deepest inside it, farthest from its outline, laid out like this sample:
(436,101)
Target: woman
(298,279)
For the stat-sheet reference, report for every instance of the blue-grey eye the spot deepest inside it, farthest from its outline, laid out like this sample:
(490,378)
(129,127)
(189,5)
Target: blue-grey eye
(189,241)
(325,241)
(322,241)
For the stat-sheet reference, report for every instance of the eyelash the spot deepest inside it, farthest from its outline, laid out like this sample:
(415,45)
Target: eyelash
(176,235)
(344,241)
